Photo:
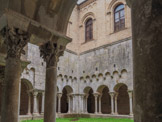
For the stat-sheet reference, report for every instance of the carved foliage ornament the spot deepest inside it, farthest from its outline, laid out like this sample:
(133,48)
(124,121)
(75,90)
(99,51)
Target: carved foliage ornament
(15,40)
(51,52)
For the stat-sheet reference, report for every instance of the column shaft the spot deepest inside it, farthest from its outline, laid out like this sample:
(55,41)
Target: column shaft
(35,108)
(29,104)
(112,103)
(42,111)
(100,104)
(50,95)
(147,58)
(10,97)
(59,103)
(96,96)
(116,103)
(69,105)
(15,40)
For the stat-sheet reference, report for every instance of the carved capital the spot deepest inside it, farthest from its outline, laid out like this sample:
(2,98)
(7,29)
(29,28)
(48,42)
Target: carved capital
(15,40)
(51,52)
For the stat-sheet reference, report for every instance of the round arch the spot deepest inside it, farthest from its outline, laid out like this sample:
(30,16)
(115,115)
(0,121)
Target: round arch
(105,99)
(122,99)
(90,100)
(67,90)
(26,86)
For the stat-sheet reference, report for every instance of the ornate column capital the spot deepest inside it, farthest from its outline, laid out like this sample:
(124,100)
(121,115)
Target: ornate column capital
(130,93)
(35,93)
(116,95)
(59,95)
(112,94)
(15,40)
(96,95)
(50,52)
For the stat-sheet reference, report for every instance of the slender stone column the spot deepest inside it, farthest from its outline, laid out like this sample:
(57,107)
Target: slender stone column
(130,93)
(51,52)
(72,104)
(100,104)
(112,102)
(35,108)
(96,96)
(116,103)
(42,111)
(69,104)
(86,101)
(15,40)
(29,104)
(82,103)
(59,102)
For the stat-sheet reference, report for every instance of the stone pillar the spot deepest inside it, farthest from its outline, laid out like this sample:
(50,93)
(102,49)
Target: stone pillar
(147,58)
(100,104)
(96,96)
(112,102)
(116,103)
(86,101)
(42,111)
(15,40)
(59,102)
(130,93)
(29,104)
(51,52)
(69,104)
(35,105)
(72,104)
(82,103)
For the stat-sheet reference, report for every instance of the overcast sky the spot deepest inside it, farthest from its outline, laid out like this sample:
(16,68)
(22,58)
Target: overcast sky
(79,1)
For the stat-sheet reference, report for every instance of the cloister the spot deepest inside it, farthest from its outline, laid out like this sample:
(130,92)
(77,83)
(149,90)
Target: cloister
(44,23)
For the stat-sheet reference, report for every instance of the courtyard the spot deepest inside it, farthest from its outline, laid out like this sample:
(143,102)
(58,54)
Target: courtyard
(85,120)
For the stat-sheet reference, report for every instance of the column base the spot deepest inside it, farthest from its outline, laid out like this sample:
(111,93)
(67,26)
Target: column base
(29,114)
(131,114)
(42,113)
(115,113)
(112,113)
(36,114)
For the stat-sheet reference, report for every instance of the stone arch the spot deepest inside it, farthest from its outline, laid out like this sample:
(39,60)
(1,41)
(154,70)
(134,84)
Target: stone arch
(90,99)
(105,99)
(32,73)
(67,90)
(116,76)
(110,11)
(124,73)
(100,76)
(122,99)
(114,3)
(26,86)
(86,17)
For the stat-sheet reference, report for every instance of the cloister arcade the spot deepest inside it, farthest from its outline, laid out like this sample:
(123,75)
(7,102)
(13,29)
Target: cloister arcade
(100,101)
(45,24)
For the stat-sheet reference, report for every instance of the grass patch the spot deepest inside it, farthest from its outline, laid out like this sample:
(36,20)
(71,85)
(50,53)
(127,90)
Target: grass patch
(85,120)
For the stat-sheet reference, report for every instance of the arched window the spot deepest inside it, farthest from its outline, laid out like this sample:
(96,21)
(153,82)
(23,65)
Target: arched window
(119,18)
(89,30)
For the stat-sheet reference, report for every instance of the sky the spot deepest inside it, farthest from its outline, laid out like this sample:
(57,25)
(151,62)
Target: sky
(79,1)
